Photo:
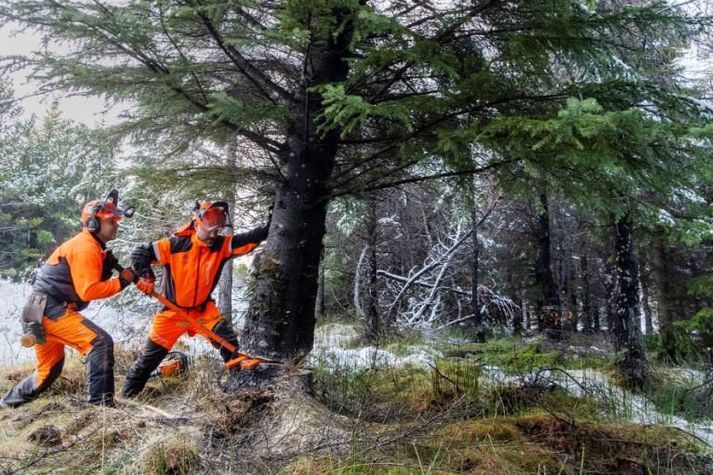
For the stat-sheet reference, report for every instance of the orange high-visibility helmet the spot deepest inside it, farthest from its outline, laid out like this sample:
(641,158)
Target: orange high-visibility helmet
(211,216)
(106,209)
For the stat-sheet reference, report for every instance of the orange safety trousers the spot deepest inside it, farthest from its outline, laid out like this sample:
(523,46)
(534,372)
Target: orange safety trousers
(168,326)
(70,330)
(74,330)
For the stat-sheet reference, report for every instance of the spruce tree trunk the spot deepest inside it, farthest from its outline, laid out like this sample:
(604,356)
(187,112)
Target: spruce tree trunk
(549,318)
(225,286)
(564,280)
(626,329)
(474,301)
(371,314)
(586,296)
(665,305)
(319,305)
(280,322)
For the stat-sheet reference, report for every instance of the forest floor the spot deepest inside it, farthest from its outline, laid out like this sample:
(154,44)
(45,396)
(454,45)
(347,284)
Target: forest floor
(411,406)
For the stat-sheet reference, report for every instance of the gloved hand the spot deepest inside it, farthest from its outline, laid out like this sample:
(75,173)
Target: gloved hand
(145,285)
(126,277)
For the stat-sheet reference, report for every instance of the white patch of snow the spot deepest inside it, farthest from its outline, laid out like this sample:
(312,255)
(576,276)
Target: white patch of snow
(665,218)
(622,403)
(369,357)
(689,195)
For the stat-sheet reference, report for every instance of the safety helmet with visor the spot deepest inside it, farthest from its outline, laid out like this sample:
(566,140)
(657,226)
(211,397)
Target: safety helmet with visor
(106,209)
(212,216)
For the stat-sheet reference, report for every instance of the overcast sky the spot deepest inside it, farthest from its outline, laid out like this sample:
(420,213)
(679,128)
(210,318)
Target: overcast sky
(87,110)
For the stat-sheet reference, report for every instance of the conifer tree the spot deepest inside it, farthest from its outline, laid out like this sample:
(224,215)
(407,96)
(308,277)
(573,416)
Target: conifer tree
(342,96)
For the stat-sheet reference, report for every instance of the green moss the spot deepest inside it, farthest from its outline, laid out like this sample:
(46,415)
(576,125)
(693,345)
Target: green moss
(515,356)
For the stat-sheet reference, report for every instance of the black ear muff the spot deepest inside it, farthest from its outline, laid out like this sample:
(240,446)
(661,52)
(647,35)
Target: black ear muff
(92,223)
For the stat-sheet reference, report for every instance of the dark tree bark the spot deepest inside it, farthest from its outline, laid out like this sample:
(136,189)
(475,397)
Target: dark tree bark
(564,278)
(626,329)
(665,297)
(225,289)
(597,320)
(517,324)
(587,324)
(479,324)
(549,318)
(371,313)
(319,305)
(280,321)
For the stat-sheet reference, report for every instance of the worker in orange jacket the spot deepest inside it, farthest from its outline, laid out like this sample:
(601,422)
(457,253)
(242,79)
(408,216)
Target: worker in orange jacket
(78,271)
(192,261)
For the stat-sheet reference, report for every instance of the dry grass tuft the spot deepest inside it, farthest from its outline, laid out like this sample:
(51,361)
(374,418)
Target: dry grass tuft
(175,455)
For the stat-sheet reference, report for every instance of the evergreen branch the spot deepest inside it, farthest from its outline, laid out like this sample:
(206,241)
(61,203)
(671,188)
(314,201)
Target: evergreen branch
(396,141)
(261,81)
(381,186)
(181,55)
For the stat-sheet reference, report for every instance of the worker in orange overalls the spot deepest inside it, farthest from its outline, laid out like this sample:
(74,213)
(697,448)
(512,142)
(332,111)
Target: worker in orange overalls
(76,272)
(192,260)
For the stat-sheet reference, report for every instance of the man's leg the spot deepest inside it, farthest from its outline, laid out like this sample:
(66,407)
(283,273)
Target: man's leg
(101,367)
(163,334)
(212,319)
(225,330)
(50,360)
(96,345)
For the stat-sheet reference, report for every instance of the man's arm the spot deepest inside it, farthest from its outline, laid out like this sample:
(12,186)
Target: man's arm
(245,242)
(86,270)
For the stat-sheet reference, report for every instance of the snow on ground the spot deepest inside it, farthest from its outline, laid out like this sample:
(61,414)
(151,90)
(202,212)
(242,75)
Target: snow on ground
(330,350)
(129,328)
(334,335)
(622,404)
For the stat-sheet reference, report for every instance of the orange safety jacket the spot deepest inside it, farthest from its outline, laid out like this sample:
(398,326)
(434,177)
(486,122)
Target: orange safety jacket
(191,269)
(75,273)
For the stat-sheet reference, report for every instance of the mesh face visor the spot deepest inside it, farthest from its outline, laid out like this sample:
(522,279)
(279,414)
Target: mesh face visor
(111,212)
(212,218)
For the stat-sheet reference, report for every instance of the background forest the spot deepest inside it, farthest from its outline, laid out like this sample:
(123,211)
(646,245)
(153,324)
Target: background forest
(481,171)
